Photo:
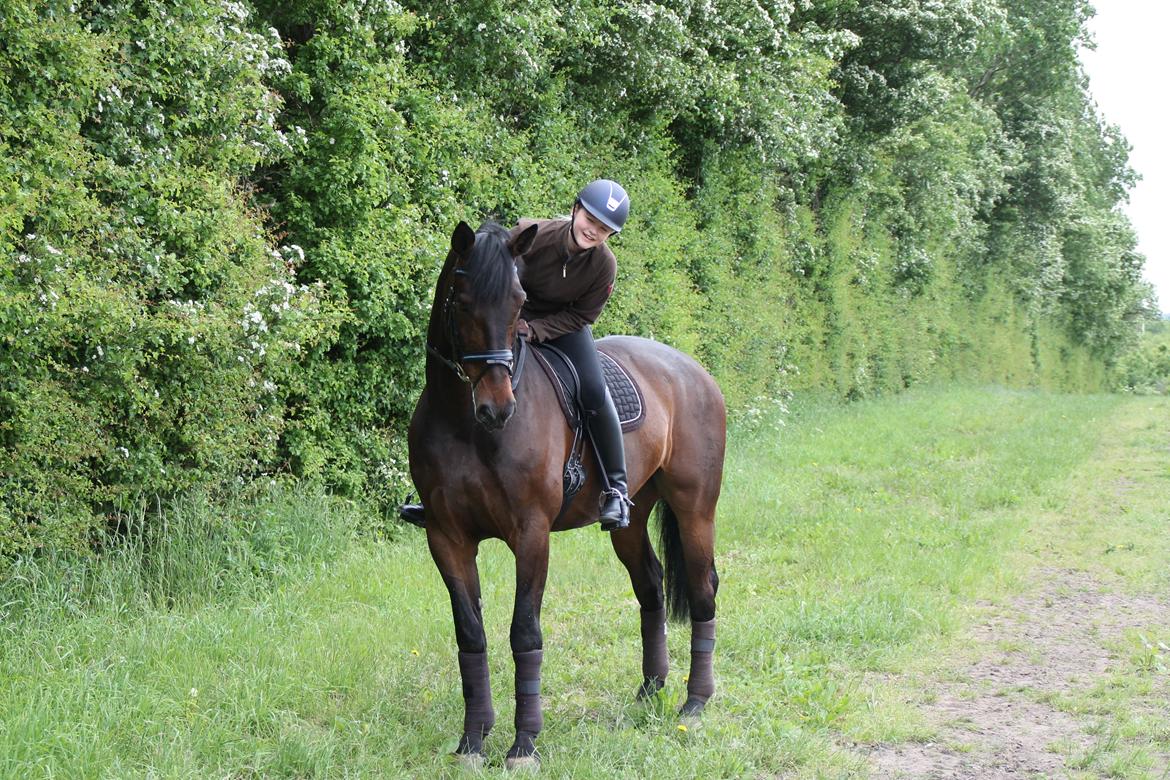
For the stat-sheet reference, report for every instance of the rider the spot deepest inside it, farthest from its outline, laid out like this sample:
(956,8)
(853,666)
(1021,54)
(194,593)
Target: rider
(568,275)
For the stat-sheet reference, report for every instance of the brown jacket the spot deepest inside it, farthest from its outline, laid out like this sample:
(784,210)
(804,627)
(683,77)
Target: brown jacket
(565,292)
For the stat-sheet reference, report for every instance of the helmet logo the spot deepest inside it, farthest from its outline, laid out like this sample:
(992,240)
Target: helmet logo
(611,202)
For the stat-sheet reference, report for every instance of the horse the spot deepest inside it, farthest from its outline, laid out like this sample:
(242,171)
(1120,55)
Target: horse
(487,460)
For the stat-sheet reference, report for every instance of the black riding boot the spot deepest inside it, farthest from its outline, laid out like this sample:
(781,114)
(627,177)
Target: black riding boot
(606,432)
(413,514)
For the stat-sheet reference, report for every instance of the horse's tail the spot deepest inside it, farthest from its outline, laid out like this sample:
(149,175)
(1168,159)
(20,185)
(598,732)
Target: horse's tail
(678,604)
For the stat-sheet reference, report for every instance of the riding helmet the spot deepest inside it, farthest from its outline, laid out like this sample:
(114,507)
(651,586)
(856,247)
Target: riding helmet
(606,200)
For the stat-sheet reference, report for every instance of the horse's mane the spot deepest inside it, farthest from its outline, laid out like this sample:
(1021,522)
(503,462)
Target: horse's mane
(490,268)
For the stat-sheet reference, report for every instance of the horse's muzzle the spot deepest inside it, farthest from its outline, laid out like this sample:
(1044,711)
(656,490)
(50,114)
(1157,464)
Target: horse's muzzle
(493,417)
(492,400)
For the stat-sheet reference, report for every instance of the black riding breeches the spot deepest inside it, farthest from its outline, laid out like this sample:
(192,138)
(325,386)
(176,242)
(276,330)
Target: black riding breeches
(582,351)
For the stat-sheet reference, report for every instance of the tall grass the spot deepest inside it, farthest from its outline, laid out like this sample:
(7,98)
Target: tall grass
(278,644)
(97,648)
(187,553)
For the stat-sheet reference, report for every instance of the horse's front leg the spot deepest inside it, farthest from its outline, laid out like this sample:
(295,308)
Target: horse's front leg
(531,551)
(455,559)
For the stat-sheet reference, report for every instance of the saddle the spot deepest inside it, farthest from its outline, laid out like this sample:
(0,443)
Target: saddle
(627,398)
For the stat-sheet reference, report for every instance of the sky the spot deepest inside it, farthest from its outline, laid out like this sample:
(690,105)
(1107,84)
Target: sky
(1127,78)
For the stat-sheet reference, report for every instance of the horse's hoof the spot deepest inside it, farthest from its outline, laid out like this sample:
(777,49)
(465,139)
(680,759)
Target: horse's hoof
(470,761)
(691,710)
(522,763)
(649,688)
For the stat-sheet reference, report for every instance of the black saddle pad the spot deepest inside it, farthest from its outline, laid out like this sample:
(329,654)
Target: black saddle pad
(627,396)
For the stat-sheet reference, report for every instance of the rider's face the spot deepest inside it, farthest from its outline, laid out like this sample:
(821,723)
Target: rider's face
(588,230)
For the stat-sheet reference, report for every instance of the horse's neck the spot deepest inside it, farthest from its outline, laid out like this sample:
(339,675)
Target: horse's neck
(438,337)
(436,333)
(449,394)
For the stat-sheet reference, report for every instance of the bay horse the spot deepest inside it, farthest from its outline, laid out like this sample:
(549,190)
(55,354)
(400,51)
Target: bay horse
(487,460)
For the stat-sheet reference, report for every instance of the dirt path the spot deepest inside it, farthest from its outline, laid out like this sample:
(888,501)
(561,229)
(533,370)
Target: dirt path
(1053,690)
(997,718)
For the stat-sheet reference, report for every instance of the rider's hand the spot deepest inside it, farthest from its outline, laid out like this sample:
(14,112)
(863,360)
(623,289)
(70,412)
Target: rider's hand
(522,329)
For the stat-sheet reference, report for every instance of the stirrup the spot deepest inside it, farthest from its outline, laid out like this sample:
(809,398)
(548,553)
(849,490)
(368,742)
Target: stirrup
(609,522)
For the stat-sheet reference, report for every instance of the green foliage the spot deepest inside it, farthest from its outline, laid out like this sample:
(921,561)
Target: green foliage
(895,74)
(391,161)
(146,315)
(223,218)
(1057,230)
(1145,368)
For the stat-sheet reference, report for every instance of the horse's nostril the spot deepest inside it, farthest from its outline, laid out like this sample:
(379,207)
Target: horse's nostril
(488,417)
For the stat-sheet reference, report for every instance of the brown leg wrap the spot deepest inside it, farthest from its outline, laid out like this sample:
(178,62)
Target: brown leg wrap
(655,663)
(529,719)
(701,682)
(478,715)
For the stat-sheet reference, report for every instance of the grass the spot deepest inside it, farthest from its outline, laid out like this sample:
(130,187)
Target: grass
(1114,525)
(852,540)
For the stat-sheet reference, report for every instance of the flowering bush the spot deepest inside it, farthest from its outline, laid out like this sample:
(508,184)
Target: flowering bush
(146,324)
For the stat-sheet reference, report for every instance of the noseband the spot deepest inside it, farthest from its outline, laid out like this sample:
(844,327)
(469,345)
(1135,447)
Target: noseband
(491,357)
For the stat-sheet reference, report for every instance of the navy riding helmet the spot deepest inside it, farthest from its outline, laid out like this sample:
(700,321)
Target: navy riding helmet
(606,200)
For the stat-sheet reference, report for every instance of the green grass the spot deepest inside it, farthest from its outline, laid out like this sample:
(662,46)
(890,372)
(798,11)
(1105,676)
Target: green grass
(1114,525)
(851,541)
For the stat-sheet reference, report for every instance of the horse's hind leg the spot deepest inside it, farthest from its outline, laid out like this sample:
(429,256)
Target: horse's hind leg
(689,548)
(455,559)
(634,550)
(697,532)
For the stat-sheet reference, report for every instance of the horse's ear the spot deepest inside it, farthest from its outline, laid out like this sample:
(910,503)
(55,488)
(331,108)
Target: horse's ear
(523,242)
(463,239)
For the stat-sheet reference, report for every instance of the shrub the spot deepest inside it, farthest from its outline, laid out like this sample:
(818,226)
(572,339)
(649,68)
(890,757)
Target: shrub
(146,319)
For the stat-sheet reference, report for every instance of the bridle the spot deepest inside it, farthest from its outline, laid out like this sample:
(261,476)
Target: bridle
(491,357)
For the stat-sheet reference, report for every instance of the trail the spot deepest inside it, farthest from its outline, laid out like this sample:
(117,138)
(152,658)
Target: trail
(1027,705)
(998,717)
